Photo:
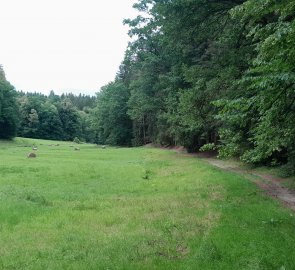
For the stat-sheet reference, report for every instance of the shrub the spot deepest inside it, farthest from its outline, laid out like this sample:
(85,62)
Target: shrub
(76,140)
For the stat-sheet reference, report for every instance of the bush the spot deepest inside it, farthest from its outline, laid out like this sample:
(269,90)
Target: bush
(208,147)
(76,140)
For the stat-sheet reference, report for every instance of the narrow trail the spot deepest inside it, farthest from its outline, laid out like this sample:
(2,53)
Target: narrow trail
(272,186)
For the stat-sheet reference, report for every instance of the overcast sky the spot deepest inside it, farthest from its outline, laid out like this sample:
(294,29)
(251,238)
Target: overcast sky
(63,45)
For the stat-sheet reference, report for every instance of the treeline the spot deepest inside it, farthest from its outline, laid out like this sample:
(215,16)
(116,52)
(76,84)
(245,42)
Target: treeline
(35,115)
(209,74)
(55,117)
(206,74)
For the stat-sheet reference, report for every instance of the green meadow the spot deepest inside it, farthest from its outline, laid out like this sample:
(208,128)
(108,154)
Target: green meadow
(133,208)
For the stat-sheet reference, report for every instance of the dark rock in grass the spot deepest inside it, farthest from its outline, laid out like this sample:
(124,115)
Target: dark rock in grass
(77,149)
(32,155)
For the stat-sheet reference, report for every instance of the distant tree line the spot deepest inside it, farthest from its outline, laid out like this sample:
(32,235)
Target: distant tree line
(35,115)
(206,74)
(55,117)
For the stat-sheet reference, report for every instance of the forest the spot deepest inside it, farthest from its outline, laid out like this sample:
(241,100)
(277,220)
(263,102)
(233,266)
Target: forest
(205,74)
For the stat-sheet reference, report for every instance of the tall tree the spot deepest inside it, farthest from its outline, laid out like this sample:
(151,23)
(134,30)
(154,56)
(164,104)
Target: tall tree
(111,122)
(50,124)
(2,74)
(8,108)
(69,117)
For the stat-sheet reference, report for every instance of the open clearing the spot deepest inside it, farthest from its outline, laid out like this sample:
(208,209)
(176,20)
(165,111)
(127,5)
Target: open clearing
(133,208)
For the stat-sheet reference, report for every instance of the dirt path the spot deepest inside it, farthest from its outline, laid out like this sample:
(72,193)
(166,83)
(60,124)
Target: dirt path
(270,184)
(273,186)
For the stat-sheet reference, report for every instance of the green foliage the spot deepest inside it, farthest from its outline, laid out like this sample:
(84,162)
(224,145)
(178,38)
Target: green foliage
(76,140)
(29,117)
(55,117)
(69,118)
(185,55)
(110,120)
(50,126)
(8,108)
(265,112)
(208,147)
(2,74)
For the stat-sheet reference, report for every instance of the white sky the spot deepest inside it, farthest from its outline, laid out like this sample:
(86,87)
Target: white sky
(63,45)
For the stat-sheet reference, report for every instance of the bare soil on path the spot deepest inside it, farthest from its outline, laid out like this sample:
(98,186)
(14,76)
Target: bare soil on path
(272,185)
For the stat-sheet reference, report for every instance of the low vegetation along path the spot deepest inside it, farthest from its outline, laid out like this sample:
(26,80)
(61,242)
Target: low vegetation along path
(271,184)
(133,208)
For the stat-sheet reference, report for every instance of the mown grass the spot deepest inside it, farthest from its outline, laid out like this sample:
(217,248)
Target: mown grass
(133,208)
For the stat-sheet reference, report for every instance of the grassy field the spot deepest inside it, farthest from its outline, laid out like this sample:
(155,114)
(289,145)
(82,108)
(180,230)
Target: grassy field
(133,208)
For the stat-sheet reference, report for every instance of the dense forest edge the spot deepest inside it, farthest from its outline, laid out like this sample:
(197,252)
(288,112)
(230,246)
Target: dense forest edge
(205,74)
